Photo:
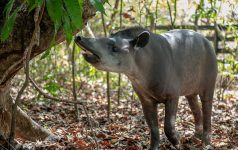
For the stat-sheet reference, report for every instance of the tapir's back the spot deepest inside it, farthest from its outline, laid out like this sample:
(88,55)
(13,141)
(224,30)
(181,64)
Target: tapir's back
(194,60)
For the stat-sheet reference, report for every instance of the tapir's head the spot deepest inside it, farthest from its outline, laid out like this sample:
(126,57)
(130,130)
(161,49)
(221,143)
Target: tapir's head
(115,53)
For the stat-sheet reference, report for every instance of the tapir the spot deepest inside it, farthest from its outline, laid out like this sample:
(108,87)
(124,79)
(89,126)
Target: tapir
(161,67)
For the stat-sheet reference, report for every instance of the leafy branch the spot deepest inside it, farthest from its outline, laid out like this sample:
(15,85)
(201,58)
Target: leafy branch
(65,14)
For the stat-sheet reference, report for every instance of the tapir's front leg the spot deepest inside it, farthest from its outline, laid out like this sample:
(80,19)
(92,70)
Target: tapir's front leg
(150,112)
(171,106)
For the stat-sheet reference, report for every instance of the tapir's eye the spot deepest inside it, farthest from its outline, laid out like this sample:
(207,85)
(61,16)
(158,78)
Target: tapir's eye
(115,49)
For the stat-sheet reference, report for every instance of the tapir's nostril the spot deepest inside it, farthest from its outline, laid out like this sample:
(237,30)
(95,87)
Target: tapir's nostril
(78,38)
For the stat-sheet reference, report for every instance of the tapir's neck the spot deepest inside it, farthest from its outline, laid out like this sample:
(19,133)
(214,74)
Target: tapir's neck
(136,76)
(136,72)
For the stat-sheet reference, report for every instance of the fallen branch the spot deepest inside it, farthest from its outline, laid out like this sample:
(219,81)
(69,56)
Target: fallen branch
(51,97)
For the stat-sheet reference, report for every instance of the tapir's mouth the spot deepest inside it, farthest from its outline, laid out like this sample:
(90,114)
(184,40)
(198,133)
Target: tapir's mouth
(89,54)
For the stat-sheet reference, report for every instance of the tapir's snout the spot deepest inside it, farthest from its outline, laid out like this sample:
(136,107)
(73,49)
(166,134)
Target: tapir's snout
(81,42)
(78,39)
(88,52)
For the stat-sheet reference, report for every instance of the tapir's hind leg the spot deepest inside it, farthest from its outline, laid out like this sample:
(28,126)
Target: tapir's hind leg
(206,99)
(171,106)
(197,113)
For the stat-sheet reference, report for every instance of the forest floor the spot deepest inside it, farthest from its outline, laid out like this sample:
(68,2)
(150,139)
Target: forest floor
(126,129)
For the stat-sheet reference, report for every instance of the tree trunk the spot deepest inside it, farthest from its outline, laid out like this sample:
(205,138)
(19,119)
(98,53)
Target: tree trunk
(26,127)
(11,61)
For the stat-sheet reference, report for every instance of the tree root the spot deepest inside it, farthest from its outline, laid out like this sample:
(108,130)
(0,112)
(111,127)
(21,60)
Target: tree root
(26,129)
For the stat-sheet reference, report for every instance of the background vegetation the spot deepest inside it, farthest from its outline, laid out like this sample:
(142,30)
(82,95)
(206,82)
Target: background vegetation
(62,72)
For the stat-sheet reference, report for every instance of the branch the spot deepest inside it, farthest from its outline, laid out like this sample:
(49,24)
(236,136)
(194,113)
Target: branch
(119,75)
(108,74)
(26,58)
(172,18)
(51,97)
(73,83)
(90,30)
(24,26)
(113,14)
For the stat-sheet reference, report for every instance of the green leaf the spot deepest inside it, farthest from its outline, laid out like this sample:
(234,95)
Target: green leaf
(106,1)
(53,88)
(74,9)
(67,29)
(8,7)
(33,3)
(47,53)
(8,25)
(98,5)
(49,76)
(55,10)
(78,49)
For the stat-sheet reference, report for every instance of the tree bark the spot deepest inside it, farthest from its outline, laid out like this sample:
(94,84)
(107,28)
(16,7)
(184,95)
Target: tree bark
(11,61)
(26,127)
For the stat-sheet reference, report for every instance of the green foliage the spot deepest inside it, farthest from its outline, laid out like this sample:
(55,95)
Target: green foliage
(68,31)
(9,20)
(98,5)
(34,3)
(51,85)
(8,25)
(55,10)
(53,88)
(228,66)
(45,54)
(207,11)
(73,7)
(67,13)
(64,13)
(8,8)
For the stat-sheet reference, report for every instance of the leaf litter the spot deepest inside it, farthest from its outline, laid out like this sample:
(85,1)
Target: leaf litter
(126,129)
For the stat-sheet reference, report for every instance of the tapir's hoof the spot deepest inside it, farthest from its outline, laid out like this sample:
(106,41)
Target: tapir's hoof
(198,135)
(206,139)
(205,142)
(209,147)
(178,146)
(53,138)
(154,148)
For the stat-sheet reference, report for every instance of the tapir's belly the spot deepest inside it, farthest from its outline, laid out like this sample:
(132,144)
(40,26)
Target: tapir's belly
(183,64)
(174,89)
(184,79)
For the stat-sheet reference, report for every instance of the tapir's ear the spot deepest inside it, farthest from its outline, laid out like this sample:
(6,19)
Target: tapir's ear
(141,40)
